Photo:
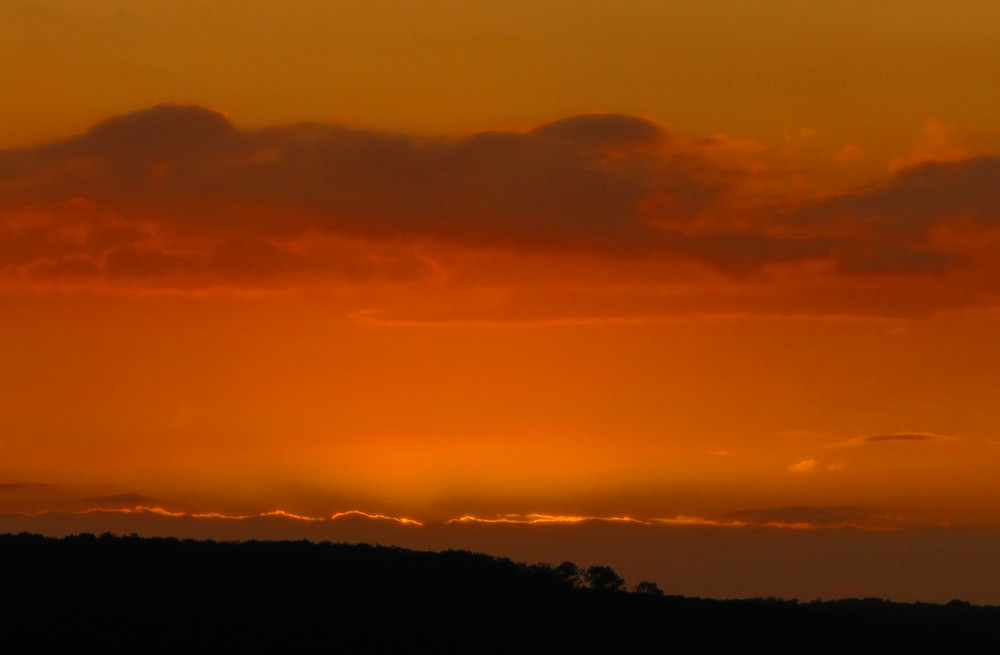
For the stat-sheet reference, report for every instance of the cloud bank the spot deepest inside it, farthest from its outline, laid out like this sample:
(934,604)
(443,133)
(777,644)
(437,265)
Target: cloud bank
(179,197)
(805,517)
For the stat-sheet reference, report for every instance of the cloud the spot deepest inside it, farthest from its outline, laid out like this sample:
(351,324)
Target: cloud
(796,517)
(897,437)
(808,516)
(177,197)
(936,220)
(123,499)
(578,182)
(538,519)
(937,142)
(177,192)
(163,131)
(34,496)
(901,436)
(917,197)
(19,486)
(896,220)
(374,517)
(601,130)
(804,466)
(550,185)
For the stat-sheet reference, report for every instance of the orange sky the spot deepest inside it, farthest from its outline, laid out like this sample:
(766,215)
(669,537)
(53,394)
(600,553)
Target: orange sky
(438,259)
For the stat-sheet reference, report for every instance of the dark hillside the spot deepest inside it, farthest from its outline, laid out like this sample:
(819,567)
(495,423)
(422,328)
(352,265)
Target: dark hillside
(129,594)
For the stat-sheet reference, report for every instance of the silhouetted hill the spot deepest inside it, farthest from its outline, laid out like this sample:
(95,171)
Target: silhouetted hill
(130,594)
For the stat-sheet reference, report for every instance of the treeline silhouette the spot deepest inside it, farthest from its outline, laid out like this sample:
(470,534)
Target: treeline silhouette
(149,595)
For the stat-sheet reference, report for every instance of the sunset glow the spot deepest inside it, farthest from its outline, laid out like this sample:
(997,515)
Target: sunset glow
(665,264)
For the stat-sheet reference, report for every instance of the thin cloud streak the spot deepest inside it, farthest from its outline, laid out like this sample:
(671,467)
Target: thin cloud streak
(805,466)
(902,436)
(896,437)
(810,518)
(786,518)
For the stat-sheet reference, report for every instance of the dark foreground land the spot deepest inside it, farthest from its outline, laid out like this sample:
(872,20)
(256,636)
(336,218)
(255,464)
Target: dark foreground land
(129,594)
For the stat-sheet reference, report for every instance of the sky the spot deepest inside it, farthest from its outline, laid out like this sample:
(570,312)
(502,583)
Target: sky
(669,268)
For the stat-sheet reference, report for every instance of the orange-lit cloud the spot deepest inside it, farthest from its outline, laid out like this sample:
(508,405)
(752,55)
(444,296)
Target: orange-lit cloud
(377,517)
(535,519)
(937,142)
(507,286)
(804,466)
(176,197)
(575,181)
(912,202)
(122,510)
(785,517)
(142,509)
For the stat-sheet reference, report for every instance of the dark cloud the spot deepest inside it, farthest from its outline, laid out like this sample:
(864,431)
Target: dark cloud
(902,436)
(870,259)
(916,199)
(123,499)
(180,195)
(164,131)
(16,486)
(178,191)
(33,496)
(739,253)
(549,186)
(815,516)
(892,227)
(600,130)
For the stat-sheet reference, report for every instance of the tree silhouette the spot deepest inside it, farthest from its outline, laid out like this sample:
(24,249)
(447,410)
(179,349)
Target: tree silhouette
(647,587)
(603,578)
(119,593)
(569,572)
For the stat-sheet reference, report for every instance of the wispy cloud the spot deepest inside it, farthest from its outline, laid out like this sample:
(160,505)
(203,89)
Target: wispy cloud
(795,518)
(808,517)
(804,466)
(142,509)
(17,486)
(901,437)
(533,519)
(126,498)
(11,486)
(376,517)
(542,519)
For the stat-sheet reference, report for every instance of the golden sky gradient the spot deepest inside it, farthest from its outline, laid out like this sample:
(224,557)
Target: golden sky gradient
(735,262)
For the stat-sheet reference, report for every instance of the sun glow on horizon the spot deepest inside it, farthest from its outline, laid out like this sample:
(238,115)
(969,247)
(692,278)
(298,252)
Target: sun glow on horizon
(506,283)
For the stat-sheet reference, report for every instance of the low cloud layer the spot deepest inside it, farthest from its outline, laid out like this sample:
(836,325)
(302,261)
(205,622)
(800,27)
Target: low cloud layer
(813,517)
(179,197)
(896,437)
(122,499)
